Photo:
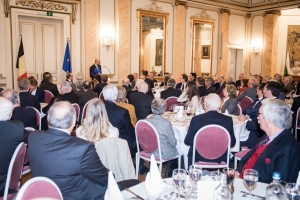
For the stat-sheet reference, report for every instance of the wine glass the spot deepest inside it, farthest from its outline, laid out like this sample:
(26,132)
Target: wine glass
(195,173)
(250,179)
(179,176)
(292,191)
(230,177)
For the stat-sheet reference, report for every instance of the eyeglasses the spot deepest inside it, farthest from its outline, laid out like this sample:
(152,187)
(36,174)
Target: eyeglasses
(258,113)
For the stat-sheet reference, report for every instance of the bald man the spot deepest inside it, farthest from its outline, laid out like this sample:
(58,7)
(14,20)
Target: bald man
(94,70)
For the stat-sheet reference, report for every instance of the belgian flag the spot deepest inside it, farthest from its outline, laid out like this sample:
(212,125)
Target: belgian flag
(21,65)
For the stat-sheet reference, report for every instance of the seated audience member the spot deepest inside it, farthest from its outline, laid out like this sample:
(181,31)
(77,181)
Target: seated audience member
(190,94)
(243,86)
(220,84)
(72,163)
(249,117)
(288,86)
(209,85)
(148,80)
(266,79)
(277,151)
(35,90)
(66,95)
(25,115)
(202,91)
(141,101)
(182,84)
(126,84)
(271,90)
(278,78)
(96,125)
(166,78)
(239,82)
(250,91)
(85,94)
(121,101)
(211,116)
(229,101)
(11,135)
(119,117)
(192,76)
(165,132)
(47,84)
(170,91)
(99,87)
(77,86)
(229,80)
(26,99)
(69,78)
(131,80)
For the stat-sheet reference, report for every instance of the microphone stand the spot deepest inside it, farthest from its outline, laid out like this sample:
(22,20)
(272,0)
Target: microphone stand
(107,69)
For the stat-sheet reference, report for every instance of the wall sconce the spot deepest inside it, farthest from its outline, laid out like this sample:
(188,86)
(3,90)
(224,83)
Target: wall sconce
(107,42)
(255,50)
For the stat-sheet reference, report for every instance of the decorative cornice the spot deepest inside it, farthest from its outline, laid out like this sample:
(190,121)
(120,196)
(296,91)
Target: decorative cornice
(74,12)
(6,8)
(225,11)
(41,5)
(203,15)
(272,12)
(153,7)
(183,3)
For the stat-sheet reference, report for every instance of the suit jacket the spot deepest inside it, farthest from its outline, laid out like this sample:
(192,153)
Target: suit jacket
(178,86)
(11,135)
(27,99)
(119,118)
(238,83)
(199,121)
(230,105)
(72,163)
(150,82)
(222,86)
(142,104)
(84,97)
(131,111)
(216,85)
(25,115)
(71,97)
(250,92)
(281,155)
(202,91)
(127,88)
(211,89)
(94,71)
(294,108)
(288,88)
(170,92)
(40,94)
(99,87)
(50,87)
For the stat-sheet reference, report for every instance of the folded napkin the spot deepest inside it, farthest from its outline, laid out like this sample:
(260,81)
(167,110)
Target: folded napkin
(206,188)
(154,183)
(179,110)
(113,191)
(226,112)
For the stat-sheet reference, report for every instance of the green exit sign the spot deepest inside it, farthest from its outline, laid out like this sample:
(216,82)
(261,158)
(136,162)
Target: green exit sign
(49,13)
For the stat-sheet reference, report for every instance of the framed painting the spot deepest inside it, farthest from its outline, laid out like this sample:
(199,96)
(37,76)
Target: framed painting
(159,52)
(293,45)
(205,52)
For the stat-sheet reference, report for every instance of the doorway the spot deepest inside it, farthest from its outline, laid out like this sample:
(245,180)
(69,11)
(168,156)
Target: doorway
(235,63)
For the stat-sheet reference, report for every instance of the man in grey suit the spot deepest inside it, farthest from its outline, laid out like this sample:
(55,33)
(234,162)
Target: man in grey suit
(250,91)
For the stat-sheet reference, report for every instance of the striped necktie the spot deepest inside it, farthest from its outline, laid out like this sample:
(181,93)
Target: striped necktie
(262,143)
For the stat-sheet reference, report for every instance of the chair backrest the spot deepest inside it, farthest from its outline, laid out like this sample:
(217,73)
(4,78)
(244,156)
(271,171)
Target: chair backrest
(147,137)
(38,117)
(245,102)
(77,109)
(171,101)
(221,95)
(101,97)
(39,187)
(15,169)
(238,110)
(84,111)
(281,96)
(48,96)
(211,142)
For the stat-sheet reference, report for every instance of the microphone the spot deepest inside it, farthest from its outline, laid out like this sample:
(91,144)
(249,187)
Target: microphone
(107,69)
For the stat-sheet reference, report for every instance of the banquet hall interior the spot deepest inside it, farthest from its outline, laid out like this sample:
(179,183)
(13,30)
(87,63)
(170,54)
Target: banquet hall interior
(211,38)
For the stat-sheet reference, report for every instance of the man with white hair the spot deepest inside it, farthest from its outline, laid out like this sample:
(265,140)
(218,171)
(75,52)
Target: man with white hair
(66,95)
(141,101)
(72,163)
(277,150)
(288,86)
(250,91)
(239,82)
(211,116)
(11,135)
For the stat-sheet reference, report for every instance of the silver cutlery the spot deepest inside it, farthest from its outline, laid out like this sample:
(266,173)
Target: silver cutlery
(128,190)
(247,193)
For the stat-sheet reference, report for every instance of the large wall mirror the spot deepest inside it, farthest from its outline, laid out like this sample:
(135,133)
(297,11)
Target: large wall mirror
(152,39)
(202,27)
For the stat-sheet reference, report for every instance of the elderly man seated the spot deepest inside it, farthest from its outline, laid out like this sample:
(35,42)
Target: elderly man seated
(277,151)
(211,116)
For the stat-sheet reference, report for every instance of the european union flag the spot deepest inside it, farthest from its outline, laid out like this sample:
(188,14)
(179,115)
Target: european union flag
(67,67)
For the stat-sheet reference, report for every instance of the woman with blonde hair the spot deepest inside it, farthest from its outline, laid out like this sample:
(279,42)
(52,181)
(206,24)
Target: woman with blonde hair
(96,125)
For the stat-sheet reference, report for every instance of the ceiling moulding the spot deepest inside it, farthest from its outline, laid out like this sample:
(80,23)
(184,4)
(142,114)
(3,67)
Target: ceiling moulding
(183,3)
(41,5)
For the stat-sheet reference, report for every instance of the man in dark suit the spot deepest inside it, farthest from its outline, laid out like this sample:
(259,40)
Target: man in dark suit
(170,91)
(147,80)
(25,115)
(26,99)
(200,82)
(141,101)
(277,151)
(85,95)
(219,82)
(48,85)
(126,84)
(99,87)
(66,95)
(209,85)
(11,135)
(239,82)
(72,163)
(95,69)
(229,80)
(183,82)
(35,90)
(211,105)
(250,91)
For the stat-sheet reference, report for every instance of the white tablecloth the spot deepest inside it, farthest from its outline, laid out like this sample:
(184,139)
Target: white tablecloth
(238,187)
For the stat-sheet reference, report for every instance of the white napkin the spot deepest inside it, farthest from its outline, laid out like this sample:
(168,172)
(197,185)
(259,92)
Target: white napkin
(206,189)
(154,183)
(113,191)
(298,181)
(157,94)
(226,112)
(179,110)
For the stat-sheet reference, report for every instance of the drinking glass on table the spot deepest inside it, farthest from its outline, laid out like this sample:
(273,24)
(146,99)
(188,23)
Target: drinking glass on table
(230,177)
(292,192)
(179,176)
(215,175)
(195,173)
(250,179)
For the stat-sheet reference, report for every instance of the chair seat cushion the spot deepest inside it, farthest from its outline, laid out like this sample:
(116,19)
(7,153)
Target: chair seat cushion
(242,153)
(210,163)
(145,154)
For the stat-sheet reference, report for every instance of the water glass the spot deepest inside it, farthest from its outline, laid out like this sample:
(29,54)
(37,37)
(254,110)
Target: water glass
(215,175)
(292,192)
(250,179)
(195,174)
(179,178)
